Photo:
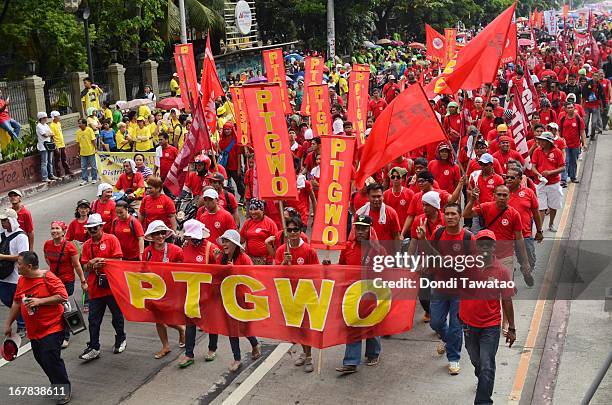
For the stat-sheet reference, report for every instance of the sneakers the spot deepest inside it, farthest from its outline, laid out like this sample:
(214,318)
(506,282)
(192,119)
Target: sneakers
(121,347)
(90,354)
(453,367)
(83,183)
(64,399)
(528,279)
(94,181)
(308,367)
(347,369)
(441,349)
(65,343)
(300,360)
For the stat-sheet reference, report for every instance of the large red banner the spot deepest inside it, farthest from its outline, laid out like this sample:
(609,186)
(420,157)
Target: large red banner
(275,72)
(313,74)
(185,68)
(242,121)
(329,229)
(270,138)
(357,111)
(320,306)
(450,40)
(509,53)
(321,118)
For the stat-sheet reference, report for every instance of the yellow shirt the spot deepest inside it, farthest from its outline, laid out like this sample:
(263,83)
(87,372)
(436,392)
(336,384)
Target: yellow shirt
(144,111)
(92,98)
(179,136)
(85,138)
(123,145)
(94,122)
(154,133)
(132,127)
(142,138)
(343,84)
(58,136)
(175,87)
(108,114)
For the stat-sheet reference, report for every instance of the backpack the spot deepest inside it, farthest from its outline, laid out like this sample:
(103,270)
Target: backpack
(132,228)
(227,206)
(563,121)
(467,238)
(6,266)
(224,155)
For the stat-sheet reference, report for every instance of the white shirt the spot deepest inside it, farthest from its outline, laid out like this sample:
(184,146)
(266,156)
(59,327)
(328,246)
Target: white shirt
(338,126)
(16,246)
(158,154)
(44,134)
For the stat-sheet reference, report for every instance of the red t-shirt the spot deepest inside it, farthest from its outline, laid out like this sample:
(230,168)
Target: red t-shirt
(487,186)
(197,254)
(359,200)
(485,313)
(503,158)
(217,223)
(255,234)
(430,227)
(504,227)
(65,271)
(167,158)
(242,260)
(548,161)
(391,226)
(76,231)
(108,247)
(569,129)
(302,254)
(24,219)
(487,125)
(4,114)
(447,174)
(546,117)
(195,183)
(233,159)
(106,211)
(127,237)
(377,107)
(524,201)
(174,254)
(47,319)
(233,204)
(158,208)
(416,205)
(399,203)
(353,256)
(134,182)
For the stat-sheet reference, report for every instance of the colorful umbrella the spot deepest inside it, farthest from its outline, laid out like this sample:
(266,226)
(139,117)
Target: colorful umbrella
(170,103)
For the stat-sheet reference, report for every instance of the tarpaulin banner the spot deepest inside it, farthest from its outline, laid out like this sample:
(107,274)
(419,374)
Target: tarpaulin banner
(270,138)
(321,120)
(275,72)
(550,22)
(185,68)
(519,123)
(315,305)
(581,40)
(313,74)
(329,228)
(110,164)
(242,121)
(435,45)
(509,54)
(450,40)
(357,111)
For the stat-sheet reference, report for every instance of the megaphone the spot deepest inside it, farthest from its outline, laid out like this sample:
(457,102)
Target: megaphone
(74,318)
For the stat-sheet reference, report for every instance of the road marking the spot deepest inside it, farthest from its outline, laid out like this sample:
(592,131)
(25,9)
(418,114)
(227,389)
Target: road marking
(54,195)
(523,366)
(22,350)
(247,385)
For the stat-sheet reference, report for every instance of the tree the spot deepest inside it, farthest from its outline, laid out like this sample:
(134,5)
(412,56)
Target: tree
(201,15)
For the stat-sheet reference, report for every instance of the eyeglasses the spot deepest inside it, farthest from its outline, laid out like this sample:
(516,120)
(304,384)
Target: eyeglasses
(394,177)
(93,228)
(511,177)
(293,230)
(501,194)
(488,110)
(158,233)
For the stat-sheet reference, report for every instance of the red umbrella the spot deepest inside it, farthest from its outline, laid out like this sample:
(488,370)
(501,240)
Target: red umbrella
(170,103)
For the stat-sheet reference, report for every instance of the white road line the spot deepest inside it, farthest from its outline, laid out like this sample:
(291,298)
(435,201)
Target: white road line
(22,350)
(55,195)
(252,380)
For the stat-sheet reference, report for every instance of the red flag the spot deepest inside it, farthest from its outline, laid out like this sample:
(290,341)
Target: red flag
(242,121)
(197,139)
(519,123)
(320,119)
(275,72)
(406,124)
(185,68)
(357,110)
(313,74)
(478,61)
(210,87)
(435,45)
(509,54)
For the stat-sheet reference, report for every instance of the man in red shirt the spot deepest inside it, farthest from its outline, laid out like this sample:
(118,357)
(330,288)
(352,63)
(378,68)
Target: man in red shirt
(216,219)
(227,200)
(444,169)
(547,114)
(6,122)
(165,155)
(572,129)
(39,298)
(483,183)
(24,217)
(487,124)
(397,196)
(230,156)
(452,122)
(547,163)
(377,104)
(389,89)
(99,247)
(385,219)
(505,153)
(481,318)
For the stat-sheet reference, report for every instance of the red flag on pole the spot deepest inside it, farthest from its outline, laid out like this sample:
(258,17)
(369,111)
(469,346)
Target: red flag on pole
(509,54)
(210,87)
(519,123)
(435,45)
(406,124)
(185,68)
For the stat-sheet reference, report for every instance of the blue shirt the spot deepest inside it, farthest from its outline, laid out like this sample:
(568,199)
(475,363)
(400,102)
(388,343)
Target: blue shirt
(108,137)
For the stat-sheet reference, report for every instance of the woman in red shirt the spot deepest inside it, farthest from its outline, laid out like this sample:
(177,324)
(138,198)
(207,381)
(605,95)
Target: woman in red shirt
(233,254)
(105,206)
(131,182)
(156,205)
(76,229)
(161,251)
(129,232)
(62,258)
(255,231)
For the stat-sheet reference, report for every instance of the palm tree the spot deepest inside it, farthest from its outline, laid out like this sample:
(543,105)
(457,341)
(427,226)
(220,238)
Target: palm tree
(203,15)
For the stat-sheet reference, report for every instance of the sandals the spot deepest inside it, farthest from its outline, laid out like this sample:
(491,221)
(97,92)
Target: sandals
(372,361)
(256,352)
(210,357)
(347,369)
(162,353)
(235,366)
(185,362)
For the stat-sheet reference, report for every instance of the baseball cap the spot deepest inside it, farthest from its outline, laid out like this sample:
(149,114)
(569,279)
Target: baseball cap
(553,125)
(210,193)
(216,177)
(54,114)
(15,191)
(486,158)
(502,127)
(486,234)
(363,220)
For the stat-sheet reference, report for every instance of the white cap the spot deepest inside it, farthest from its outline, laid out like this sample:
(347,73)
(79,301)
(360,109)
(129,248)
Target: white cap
(41,115)
(232,235)
(195,229)
(432,198)
(308,135)
(54,114)
(102,187)
(211,193)
(478,100)
(94,220)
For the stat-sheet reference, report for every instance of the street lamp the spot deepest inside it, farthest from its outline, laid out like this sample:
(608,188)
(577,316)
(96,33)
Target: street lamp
(83,13)
(113,55)
(31,67)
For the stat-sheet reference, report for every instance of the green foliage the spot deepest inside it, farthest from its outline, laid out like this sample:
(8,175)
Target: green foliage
(17,150)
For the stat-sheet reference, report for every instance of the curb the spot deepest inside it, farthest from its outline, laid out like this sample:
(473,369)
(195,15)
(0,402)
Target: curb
(40,187)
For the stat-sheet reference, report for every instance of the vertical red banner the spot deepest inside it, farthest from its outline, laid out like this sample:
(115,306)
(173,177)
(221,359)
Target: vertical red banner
(313,74)
(242,121)
(275,72)
(510,49)
(450,38)
(270,138)
(357,111)
(185,68)
(320,120)
(329,229)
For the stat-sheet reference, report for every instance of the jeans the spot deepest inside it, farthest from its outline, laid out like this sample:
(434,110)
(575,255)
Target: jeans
(59,157)
(234,343)
(595,115)
(235,175)
(481,344)
(7,292)
(70,290)
(12,127)
(530,248)
(476,225)
(190,337)
(97,306)
(47,352)
(352,353)
(444,314)
(89,161)
(46,164)
(571,159)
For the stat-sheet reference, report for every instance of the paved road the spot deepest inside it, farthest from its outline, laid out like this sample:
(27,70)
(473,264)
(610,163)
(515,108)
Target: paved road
(409,372)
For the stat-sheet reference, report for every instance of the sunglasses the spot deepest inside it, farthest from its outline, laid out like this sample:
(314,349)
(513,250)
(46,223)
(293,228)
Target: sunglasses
(93,228)
(158,233)
(488,110)
(421,181)
(395,177)
(511,177)
(293,230)
(501,194)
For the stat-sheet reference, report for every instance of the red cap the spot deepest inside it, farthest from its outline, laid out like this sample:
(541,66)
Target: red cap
(486,234)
